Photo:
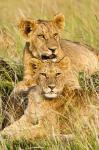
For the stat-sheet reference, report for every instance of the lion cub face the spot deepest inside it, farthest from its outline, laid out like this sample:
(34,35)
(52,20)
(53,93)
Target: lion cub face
(43,37)
(51,77)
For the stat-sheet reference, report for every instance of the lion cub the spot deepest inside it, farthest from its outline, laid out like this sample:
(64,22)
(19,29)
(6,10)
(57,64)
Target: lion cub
(45,101)
(43,42)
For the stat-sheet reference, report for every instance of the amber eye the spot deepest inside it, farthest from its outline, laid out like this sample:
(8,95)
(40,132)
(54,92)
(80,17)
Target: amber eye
(43,74)
(41,36)
(34,66)
(56,35)
(58,74)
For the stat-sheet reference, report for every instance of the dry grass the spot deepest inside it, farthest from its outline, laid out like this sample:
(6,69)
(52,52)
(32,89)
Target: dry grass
(82,24)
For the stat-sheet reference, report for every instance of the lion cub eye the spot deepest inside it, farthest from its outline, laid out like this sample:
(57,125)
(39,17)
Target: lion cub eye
(58,74)
(55,35)
(41,36)
(34,66)
(43,74)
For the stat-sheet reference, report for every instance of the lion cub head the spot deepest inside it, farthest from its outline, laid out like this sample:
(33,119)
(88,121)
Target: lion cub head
(53,77)
(43,37)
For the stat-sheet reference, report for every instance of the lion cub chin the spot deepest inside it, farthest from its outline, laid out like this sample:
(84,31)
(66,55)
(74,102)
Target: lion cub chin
(51,95)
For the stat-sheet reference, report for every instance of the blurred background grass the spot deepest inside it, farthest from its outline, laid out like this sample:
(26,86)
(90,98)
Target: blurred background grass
(82,25)
(81,18)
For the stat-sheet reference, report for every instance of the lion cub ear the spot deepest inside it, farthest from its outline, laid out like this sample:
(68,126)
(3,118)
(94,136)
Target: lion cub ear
(59,20)
(65,63)
(26,26)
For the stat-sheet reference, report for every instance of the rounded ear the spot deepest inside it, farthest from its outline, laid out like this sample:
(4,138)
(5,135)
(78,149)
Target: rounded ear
(26,26)
(36,63)
(59,20)
(65,63)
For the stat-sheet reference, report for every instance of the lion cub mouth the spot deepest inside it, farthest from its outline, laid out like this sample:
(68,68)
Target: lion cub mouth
(50,95)
(52,56)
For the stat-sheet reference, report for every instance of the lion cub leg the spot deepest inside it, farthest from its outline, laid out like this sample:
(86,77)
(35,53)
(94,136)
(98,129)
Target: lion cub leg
(27,127)
(40,119)
(30,69)
(22,86)
(23,129)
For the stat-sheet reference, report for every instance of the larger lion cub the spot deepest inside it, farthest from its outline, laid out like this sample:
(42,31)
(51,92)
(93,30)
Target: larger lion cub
(43,41)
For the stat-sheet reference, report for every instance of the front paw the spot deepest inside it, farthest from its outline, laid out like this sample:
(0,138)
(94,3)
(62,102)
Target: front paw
(19,89)
(23,86)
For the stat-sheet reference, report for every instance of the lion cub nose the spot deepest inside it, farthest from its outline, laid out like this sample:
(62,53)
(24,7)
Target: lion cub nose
(51,86)
(52,49)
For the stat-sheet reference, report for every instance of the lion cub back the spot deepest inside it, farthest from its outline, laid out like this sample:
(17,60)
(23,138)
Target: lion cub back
(82,57)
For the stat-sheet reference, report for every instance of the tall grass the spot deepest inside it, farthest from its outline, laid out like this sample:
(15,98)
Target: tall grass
(82,25)
(81,18)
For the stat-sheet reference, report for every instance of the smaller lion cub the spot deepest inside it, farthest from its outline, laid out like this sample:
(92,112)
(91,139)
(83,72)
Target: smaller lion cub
(45,101)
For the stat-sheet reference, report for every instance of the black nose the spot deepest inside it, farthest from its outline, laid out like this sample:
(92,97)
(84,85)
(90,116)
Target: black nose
(52,49)
(51,86)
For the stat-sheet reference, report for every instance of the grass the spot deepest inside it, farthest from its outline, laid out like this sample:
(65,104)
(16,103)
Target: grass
(82,25)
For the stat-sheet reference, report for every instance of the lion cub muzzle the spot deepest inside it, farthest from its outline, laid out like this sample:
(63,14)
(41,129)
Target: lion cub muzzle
(53,57)
(51,91)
